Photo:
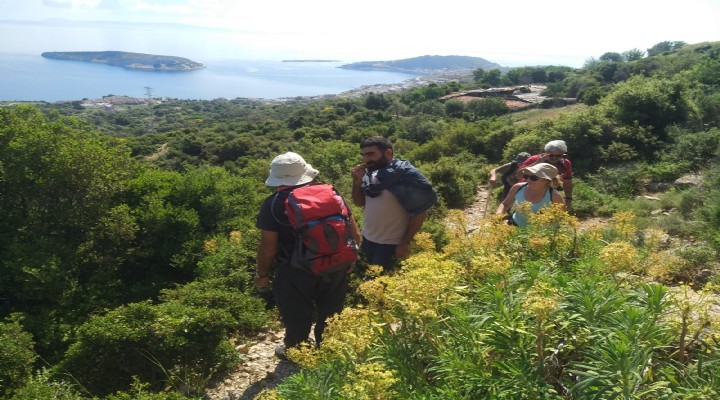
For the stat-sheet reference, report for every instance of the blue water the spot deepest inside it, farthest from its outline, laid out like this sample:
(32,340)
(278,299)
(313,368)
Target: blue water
(34,78)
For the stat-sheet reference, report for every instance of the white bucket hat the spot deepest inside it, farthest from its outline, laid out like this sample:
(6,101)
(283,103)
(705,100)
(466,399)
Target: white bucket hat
(541,170)
(290,169)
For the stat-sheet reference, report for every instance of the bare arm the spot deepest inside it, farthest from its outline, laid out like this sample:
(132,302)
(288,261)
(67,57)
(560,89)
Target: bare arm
(354,231)
(358,196)
(414,225)
(493,176)
(503,169)
(265,255)
(568,189)
(557,198)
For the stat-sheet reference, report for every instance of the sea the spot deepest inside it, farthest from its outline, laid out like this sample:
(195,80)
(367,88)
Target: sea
(34,78)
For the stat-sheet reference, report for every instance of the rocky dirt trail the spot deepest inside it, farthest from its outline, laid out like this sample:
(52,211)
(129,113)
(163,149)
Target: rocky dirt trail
(260,370)
(483,207)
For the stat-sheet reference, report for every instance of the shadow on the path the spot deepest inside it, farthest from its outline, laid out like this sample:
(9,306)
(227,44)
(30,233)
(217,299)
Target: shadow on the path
(283,369)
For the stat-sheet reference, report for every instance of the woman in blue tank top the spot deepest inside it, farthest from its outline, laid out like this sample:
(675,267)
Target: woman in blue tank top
(536,190)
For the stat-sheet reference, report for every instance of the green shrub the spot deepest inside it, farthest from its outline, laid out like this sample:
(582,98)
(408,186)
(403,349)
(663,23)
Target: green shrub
(489,107)
(677,225)
(698,257)
(180,341)
(623,181)
(16,355)
(690,200)
(589,202)
(667,171)
(695,149)
(454,179)
(141,391)
(454,108)
(43,386)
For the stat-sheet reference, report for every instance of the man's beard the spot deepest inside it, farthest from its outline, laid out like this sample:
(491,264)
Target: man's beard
(379,164)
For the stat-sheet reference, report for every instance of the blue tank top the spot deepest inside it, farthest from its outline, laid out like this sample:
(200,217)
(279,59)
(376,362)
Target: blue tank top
(521,219)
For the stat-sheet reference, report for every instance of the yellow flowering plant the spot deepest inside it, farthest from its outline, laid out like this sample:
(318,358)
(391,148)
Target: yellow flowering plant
(501,310)
(619,257)
(370,381)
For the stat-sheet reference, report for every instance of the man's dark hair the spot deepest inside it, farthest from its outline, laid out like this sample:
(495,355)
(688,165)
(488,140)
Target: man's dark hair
(379,141)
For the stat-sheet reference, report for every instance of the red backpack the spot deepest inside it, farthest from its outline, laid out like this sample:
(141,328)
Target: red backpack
(321,222)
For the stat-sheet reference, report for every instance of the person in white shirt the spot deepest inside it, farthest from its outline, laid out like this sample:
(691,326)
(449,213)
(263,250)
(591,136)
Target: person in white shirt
(396,197)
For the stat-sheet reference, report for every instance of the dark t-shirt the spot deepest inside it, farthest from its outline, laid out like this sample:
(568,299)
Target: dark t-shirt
(272,218)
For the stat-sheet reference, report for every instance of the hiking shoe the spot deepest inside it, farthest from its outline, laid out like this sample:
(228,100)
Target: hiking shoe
(280,352)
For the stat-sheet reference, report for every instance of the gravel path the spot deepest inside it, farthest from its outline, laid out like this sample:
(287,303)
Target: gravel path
(260,370)
(477,211)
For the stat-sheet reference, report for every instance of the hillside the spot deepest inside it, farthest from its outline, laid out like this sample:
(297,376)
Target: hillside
(425,64)
(129,243)
(128,60)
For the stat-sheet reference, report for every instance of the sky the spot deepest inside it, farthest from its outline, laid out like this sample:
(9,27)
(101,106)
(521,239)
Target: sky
(510,33)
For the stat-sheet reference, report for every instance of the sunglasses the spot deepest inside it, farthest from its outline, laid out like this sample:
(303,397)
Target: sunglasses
(531,177)
(556,155)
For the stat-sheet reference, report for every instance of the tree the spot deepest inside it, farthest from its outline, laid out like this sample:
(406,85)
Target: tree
(420,129)
(59,179)
(664,47)
(489,107)
(454,108)
(539,75)
(397,108)
(492,77)
(633,55)
(590,63)
(654,102)
(478,74)
(611,56)
(376,101)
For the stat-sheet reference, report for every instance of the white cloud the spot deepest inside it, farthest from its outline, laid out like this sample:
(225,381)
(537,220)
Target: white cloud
(161,8)
(72,3)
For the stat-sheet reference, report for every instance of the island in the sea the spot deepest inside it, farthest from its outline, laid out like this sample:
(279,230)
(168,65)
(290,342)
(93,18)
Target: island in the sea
(147,62)
(425,64)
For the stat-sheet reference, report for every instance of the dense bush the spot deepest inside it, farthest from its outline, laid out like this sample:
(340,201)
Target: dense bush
(696,149)
(455,179)
(182,340)
(588,201)
(484,108)
(16,356)
(667,171)
(625,181)
(42,386)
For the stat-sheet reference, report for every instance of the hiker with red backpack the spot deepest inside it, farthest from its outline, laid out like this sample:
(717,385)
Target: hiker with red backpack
(310,235)
(555,154)
(396,197)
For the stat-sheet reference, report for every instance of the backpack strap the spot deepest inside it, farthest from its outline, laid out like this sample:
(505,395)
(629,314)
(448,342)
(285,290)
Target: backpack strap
(272,210)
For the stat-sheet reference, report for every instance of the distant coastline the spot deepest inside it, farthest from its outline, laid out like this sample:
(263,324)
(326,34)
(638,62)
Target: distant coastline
(327,61)
(34,78)
(139,61)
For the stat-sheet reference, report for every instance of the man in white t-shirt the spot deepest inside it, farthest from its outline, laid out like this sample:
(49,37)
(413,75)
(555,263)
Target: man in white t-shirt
(396,197)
